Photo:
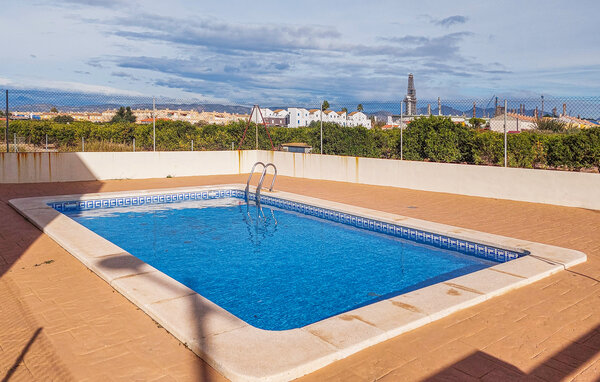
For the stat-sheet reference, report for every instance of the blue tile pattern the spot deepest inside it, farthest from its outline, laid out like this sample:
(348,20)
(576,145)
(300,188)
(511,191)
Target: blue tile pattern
(433,239)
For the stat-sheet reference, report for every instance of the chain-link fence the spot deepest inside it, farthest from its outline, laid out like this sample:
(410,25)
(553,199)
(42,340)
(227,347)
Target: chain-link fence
(52,121)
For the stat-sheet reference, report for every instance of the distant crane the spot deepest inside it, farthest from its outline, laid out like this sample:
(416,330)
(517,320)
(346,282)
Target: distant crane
(488,104)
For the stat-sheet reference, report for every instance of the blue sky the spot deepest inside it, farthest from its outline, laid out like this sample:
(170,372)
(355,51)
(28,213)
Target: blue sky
(293,51)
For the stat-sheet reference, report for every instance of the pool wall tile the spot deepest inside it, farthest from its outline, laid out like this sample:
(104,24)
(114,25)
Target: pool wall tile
(441,241)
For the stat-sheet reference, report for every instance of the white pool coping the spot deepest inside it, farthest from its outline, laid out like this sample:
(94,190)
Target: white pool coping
(242,352)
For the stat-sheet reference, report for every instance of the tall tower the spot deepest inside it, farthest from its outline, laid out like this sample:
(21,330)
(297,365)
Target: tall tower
(410,101)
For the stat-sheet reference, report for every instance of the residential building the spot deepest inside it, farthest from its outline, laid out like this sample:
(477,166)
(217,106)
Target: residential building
(298,117)
(576,122)
(514,123)
(358,118)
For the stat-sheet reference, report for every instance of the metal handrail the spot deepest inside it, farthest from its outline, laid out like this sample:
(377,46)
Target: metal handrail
(265,172)
(250,177)
(262,178)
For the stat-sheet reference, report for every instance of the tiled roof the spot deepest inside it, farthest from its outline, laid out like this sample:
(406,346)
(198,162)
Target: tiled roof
(522,117)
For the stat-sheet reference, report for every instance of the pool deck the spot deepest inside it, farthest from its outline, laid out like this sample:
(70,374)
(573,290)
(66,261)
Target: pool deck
(61,322)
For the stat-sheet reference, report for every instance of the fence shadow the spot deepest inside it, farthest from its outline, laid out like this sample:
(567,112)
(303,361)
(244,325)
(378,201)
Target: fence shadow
(557,367)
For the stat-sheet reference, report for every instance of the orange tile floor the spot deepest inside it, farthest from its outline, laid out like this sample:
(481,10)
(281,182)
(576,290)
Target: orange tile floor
(61,322)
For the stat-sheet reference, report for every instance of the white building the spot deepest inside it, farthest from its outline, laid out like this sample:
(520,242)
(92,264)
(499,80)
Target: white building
(514,123)
(299,117)
(358,118)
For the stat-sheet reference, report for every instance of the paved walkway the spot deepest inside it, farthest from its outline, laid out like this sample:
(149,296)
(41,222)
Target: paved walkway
(61,322)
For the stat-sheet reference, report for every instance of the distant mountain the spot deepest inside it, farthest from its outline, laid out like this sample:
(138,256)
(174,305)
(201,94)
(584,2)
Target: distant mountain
(44,100)
(45,107)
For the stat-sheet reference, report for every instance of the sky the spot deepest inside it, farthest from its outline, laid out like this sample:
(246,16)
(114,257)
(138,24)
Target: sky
(293,51)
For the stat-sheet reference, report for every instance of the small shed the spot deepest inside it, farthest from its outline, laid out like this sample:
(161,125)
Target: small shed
(296,147)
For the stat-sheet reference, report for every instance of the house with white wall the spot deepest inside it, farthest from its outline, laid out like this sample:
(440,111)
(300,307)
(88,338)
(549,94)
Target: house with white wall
(358,118)
(298,117)
(514,122)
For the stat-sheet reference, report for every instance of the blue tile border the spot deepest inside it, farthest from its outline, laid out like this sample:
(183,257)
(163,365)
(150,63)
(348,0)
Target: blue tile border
(437,240)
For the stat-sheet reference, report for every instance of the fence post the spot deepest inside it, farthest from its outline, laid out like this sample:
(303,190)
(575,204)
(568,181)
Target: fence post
(192,145)
(6,115)
(321,114)
(16,147)
(133,144)
(505,135)
(46,142)
(82,144)
(401,132)
(232,147)
(153,124)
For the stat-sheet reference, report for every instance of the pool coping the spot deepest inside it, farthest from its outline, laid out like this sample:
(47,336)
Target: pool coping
(242,352)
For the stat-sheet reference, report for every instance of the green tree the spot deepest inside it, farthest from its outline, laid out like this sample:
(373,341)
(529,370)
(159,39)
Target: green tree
(325,105)
(123,115)
(360,107)
(550,124)
(63,119)
(345,110)
(477,123)
(53,110)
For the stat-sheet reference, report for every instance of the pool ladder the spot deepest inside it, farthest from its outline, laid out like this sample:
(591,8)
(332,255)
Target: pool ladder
(262,178)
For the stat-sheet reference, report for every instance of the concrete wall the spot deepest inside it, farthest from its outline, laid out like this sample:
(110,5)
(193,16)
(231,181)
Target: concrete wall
(563,188)
(540,186)
(65,167)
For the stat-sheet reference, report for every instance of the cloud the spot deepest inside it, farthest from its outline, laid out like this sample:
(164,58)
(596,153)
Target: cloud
(124,75)
(441,47)
(95,63)
(411,40)
(224,36)
(92,3)
(449,21)
(68,86)
(223,59)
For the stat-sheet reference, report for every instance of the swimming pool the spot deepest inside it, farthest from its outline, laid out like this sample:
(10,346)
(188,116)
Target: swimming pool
(377,302)
(274,268)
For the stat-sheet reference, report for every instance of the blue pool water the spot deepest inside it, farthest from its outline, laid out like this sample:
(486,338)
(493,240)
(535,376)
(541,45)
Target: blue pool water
(281,271)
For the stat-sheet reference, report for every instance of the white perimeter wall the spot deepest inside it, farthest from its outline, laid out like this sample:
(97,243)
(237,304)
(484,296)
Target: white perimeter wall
(540,186)
(65,167)
(563,188)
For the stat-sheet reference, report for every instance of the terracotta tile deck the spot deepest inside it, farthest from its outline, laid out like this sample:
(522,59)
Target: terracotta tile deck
(59,321)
